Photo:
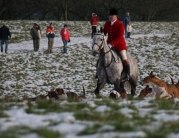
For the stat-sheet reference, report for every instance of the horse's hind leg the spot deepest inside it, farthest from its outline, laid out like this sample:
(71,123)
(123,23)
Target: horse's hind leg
(133,87)
(100,85)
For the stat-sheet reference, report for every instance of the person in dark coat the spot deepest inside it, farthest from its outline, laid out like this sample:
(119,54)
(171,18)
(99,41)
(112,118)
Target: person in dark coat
(4,36)
(126,20)
(36,35)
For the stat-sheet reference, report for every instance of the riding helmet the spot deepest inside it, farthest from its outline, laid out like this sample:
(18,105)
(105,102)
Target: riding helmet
(113,11)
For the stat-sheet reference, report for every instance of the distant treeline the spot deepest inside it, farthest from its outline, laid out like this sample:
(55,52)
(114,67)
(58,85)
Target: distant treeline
(81,10)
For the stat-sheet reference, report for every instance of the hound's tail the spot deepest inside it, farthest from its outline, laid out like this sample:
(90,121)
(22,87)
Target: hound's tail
(84,93)
(170,78)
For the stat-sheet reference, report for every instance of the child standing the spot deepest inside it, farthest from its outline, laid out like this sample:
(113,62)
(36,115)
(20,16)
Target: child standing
(129,29)
(65,34)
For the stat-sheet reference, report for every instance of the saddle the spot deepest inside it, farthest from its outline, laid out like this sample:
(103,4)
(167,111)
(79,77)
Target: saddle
(115,50)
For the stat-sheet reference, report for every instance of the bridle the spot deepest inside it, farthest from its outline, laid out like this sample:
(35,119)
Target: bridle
(100,47)
(110,50)
(101,43)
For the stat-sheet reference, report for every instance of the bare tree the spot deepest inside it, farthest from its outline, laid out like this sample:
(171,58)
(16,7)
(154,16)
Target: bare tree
(148,10)
(81,10)
(9,9)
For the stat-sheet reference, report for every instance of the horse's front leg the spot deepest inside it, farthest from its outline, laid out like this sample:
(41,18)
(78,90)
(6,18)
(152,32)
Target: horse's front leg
(119,87)
(100,85)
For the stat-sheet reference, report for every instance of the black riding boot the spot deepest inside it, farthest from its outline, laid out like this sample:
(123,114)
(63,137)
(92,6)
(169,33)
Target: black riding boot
(127,70)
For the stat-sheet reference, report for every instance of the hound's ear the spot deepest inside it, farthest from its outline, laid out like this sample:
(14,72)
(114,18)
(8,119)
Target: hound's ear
(151,74)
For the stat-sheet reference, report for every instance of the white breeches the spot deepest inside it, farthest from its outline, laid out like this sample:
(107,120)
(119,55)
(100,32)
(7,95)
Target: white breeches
(123,54)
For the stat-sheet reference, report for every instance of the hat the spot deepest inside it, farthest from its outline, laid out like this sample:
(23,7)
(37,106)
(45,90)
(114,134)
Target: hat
(113,11)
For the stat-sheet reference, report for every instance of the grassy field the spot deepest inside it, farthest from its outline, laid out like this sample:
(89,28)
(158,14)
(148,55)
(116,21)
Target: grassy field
(27,74)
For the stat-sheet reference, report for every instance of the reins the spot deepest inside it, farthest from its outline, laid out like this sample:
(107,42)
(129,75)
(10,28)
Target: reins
(101,43)
(110,50)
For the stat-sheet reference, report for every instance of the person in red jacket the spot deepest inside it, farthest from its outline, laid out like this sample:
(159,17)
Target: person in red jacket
(65,34)
(115,30)
(94,22)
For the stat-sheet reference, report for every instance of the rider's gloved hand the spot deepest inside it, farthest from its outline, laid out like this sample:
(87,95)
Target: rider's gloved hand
(109,45)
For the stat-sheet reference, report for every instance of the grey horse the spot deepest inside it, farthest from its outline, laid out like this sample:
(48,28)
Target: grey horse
(110,67)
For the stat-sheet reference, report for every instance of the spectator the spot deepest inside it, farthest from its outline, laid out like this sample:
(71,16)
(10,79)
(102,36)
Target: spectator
(36,35)
(4,35)
(50,33)
(126,20)
(94,22)
(129,30)
(65,34)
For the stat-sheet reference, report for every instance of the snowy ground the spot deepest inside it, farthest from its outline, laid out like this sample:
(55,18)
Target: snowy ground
(25,73)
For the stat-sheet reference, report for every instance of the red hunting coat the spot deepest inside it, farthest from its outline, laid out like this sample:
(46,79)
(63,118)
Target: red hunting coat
(115,35)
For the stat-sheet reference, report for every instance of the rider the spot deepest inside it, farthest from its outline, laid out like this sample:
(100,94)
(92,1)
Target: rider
(115,30)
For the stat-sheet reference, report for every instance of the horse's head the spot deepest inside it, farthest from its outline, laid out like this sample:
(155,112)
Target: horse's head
(98,41)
